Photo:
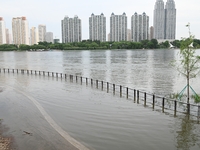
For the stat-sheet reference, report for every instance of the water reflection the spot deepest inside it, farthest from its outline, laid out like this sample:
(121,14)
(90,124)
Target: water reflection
(187,134)
(96,117)
(85,63)
(108,65)
(71,62)
(163,74)
(148,70)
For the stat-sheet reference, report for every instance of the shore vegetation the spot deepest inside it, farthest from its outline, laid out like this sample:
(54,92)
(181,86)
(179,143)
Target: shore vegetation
(93,45)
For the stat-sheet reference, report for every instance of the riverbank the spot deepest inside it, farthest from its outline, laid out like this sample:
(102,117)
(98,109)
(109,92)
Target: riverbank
(5,142)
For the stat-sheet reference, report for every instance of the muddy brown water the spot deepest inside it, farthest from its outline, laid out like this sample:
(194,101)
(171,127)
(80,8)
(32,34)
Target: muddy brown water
(96,119)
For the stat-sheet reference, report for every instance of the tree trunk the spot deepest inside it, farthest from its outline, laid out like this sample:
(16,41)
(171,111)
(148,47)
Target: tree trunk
(188,90)
(188,78)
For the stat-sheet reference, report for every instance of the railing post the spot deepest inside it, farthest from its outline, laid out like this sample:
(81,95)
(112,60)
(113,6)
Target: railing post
(35,72)
(39,72)
(175,107)
(107,87)
(72,78)
(163,104)
(13,70)
(134,95)
(198,115)
(17,70)
(48,73)
(127,92)
(97,83)
(31,72)
(91,82)
(114,88)
(138,96)
(188,109)
(27,71)
(145,99)
(153,101)
(120,90)
(57,75)
(8,70)
(61,75)
(86,80)
(102,85)
(4,70)
(76,79)
(65,76)
(43,73)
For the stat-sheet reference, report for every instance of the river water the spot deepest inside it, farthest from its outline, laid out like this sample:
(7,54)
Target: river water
(48,107)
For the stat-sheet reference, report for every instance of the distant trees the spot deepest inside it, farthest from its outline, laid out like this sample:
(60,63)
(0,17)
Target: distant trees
(8,47)
(89,44)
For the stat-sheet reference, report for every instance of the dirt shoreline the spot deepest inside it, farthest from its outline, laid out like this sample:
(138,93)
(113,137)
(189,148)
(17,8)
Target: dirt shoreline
(5,142)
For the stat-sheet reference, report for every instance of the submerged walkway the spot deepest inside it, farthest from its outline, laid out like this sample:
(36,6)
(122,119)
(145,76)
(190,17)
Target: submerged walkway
(148,99)
(140,97)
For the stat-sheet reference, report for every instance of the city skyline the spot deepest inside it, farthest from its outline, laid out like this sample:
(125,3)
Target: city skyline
(186,12)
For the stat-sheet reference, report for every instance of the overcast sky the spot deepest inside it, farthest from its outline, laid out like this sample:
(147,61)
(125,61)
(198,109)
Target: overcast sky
(51,12)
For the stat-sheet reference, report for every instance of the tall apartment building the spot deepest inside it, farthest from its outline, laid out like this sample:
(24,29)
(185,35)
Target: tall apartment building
(97,27)
(151,33)
(108,36)
(2,31)
(164,20)
(139,27)
(42,32)
(49,37)
(33,36)
(129,35)
(170,20)
(71,29)
(20,31)
(118,27)
(8,38)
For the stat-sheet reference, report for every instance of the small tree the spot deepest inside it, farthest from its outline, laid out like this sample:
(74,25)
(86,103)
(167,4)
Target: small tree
(189,63)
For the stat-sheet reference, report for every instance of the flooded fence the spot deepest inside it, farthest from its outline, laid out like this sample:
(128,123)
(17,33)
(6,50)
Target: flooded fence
(156,102)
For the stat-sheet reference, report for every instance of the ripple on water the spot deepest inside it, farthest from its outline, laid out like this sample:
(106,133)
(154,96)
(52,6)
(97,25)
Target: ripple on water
(103,121)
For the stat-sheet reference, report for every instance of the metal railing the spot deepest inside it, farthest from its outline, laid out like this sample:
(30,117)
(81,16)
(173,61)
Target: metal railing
(138,96)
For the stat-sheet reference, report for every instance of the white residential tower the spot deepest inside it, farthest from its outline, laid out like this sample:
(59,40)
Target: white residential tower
(71,29)
(20,31)
(97,27)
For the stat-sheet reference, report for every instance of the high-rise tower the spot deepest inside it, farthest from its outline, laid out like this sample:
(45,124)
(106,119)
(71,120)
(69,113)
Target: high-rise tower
(118,27)
(164,20)
(20,31)
(42,32)
(71,29)
(2,31)
(170,20)
(159,20)
(33,36)
(49,37)
(97,27)
(139,27)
